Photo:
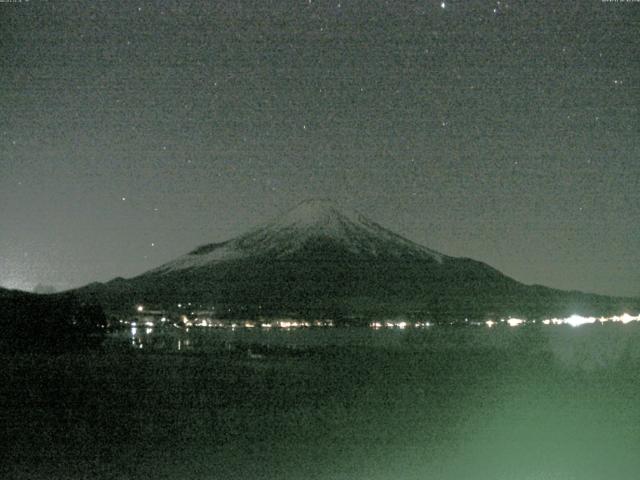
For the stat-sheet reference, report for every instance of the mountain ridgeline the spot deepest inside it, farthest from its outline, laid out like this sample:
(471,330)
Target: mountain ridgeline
(319,261)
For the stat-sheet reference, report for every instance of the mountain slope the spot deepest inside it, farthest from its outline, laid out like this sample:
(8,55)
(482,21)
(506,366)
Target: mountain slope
(311,221)
(318,260)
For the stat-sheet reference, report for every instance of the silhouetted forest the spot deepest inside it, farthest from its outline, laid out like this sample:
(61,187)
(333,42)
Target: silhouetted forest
(49,322)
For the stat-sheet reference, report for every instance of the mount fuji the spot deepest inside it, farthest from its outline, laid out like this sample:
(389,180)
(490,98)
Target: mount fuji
(319,261)
(297,230)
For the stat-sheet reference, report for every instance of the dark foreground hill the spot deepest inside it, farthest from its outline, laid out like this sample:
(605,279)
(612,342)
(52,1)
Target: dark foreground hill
(321,261)
(60,321)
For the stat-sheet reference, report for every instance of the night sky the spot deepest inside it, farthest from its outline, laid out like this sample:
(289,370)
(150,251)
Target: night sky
(505,131)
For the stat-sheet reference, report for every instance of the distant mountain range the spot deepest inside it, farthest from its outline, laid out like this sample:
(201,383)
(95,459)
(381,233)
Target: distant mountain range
(320,261)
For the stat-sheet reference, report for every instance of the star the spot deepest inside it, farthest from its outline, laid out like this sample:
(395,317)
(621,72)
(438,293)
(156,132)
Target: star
(443,5)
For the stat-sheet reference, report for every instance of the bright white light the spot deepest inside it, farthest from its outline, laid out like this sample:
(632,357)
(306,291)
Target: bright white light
(514,322)
(140,308)
(626,318)
(402,325)
(577,320)
(443,5)
(490,323)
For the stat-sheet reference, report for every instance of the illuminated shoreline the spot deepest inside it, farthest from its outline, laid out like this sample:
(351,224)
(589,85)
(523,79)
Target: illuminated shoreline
(288,324)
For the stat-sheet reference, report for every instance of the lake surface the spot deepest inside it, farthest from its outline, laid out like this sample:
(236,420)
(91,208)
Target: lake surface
(442,403)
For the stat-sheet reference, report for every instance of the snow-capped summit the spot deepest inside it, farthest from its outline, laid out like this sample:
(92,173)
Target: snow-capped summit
(324,219)
(317,214)
(308,222)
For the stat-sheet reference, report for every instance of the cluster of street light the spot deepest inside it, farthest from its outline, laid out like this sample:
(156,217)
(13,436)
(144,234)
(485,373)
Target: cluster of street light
(573,320)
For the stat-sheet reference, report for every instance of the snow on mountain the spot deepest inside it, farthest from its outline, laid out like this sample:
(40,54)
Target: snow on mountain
(309,221)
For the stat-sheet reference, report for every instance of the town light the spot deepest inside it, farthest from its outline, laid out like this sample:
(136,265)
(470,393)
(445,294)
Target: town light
(577,320)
